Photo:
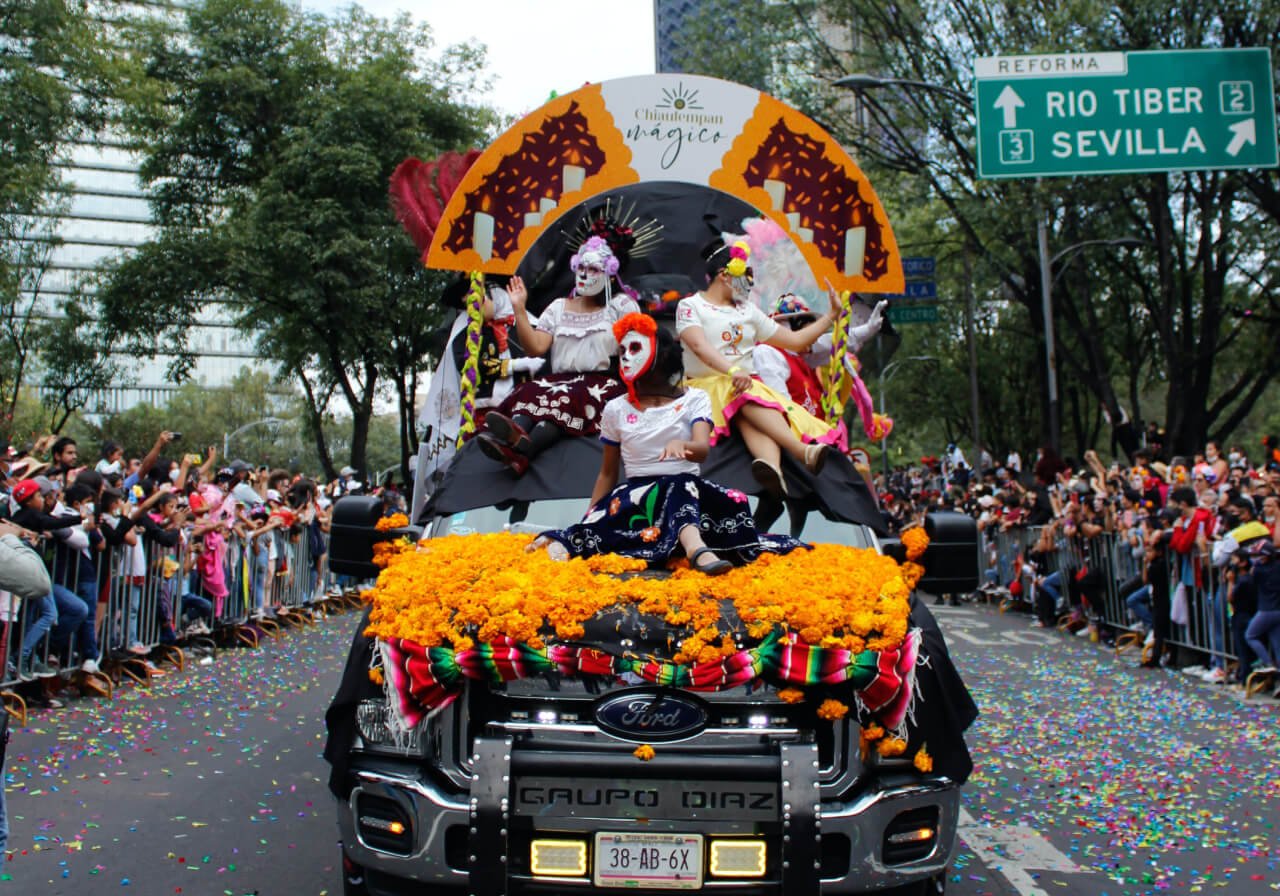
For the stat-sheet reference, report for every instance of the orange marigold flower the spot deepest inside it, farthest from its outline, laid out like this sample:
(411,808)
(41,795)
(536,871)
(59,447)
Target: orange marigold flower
(892,746)
(915,541)
(644,752)
(791,695)
(832,710)
(457,590)
(375,675)
(395,521)
(872,732)
(923,761)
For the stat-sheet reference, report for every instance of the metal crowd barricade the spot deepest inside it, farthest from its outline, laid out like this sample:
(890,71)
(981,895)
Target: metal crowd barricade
(143,597)
(1002,549)
(233,613)
(1206,632)
(1208,626)
(294,585)
(137,602)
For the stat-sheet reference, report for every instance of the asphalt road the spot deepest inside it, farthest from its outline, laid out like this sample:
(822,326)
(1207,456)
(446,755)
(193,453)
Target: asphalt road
(1092,778)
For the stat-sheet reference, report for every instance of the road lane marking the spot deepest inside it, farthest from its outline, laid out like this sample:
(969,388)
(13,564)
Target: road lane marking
(1013,851)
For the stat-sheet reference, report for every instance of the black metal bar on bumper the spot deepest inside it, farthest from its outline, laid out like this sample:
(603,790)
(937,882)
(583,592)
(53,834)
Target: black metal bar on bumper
(801,819)
(490,806)
(753,768)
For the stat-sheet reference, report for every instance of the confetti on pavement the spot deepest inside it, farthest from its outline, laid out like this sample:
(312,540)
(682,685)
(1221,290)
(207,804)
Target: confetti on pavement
(1163,784)
(214,771)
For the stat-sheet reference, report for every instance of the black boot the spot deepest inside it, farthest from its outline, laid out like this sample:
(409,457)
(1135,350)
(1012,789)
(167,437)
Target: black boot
(512,431)
(542,436)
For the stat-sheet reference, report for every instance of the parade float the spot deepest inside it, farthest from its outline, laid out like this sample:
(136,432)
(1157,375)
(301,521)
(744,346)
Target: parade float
(509,722)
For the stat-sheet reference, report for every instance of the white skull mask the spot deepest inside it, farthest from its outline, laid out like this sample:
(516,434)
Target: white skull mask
(635,355)
(589,281)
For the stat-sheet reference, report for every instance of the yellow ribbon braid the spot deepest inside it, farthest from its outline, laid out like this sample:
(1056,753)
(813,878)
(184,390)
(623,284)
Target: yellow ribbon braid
(832,402)
(471,367)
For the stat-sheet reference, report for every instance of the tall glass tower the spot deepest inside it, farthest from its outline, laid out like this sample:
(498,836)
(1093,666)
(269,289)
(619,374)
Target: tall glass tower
(668,21)
(100,211)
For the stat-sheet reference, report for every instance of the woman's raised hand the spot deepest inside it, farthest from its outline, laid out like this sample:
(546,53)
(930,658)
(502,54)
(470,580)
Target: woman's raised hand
(518,293)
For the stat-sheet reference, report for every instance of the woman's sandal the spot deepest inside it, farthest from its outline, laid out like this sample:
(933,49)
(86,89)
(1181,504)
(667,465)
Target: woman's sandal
(770,477)
(815,456)
(555,550)
(716,568)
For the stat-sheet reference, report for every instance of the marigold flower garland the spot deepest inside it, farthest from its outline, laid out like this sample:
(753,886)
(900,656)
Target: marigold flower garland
(457,592)
(394,521)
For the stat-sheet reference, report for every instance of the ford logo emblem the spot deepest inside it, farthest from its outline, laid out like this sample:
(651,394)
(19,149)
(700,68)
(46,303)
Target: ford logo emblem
(651,716)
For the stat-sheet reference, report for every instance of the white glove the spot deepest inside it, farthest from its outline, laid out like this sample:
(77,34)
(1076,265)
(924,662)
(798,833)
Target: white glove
(526,365)
(862,333)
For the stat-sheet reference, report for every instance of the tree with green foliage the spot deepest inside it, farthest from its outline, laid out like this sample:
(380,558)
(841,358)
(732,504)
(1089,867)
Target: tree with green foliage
(55,77)
(268,138)
(1176,328)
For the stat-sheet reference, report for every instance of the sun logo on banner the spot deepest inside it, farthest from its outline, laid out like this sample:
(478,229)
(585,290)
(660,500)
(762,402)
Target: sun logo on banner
(679,99)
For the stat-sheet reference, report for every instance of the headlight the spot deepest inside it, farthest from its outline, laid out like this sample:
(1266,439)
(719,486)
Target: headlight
(379,732)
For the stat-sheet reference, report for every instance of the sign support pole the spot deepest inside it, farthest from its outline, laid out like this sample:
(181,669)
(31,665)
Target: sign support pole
(1050,342)
(969,313)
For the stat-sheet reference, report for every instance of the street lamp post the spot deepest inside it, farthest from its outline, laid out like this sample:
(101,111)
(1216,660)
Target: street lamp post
(1047,279)
(227,437)
(863,81)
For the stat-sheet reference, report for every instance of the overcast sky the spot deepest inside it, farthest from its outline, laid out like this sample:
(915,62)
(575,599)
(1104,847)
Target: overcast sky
(536,46)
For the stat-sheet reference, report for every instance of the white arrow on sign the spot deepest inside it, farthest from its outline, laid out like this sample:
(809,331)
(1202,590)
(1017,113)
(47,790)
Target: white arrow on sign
(1009,102)
(1242,132)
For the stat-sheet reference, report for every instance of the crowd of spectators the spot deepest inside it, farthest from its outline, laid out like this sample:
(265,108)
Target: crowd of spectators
(1185,546)
(109,528)
(107,564)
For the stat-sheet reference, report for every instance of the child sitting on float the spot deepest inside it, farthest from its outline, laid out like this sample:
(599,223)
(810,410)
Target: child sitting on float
(576,330)
(719,328)
(658,433)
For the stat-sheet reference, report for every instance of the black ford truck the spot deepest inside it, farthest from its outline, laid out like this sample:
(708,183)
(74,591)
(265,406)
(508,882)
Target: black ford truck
(532,786)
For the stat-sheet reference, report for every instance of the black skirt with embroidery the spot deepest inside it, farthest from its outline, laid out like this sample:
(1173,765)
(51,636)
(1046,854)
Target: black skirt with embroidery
(643,518)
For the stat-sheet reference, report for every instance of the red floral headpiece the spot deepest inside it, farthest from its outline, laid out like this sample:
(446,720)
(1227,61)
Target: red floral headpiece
(641,323)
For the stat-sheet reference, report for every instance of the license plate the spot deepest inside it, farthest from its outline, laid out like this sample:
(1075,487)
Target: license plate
(639,861)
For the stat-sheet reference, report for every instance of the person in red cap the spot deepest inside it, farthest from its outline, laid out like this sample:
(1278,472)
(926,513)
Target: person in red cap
(62,610)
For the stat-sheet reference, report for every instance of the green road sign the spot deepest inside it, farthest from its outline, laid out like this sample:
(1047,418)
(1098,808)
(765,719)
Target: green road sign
(1110,113)
(913,314)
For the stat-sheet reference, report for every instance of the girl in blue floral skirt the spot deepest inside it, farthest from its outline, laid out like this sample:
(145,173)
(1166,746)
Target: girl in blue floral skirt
(657,434)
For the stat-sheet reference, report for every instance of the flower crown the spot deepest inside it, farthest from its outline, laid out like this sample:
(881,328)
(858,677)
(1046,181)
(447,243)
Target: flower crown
(739,253)
(640,323)
(595,252)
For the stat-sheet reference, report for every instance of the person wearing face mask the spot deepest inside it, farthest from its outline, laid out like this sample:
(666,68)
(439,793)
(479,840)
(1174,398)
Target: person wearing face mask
(576,331)
(657,434)
(719,328)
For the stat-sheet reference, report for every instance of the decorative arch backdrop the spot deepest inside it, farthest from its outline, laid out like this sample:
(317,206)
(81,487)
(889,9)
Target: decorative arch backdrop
(682,128)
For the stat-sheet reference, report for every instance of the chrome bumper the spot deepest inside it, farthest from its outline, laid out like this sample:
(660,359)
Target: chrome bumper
(862,820)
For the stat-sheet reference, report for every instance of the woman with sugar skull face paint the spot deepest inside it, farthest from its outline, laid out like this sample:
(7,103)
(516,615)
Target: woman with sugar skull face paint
(657,434)
(720,328)
(576,331)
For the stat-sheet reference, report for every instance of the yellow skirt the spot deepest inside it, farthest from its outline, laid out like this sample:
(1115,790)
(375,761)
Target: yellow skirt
(724,405)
